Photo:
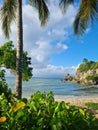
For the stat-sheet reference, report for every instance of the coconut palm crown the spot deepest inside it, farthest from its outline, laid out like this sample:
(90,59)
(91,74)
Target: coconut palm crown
(87,14)
(9,9)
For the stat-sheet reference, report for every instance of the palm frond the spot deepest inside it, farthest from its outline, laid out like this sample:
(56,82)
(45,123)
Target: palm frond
(64,4)
(87,14)
(41,6)
(7,15)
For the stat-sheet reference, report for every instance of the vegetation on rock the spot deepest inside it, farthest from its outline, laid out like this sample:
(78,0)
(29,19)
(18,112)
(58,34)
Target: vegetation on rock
(87,65)
(87,73)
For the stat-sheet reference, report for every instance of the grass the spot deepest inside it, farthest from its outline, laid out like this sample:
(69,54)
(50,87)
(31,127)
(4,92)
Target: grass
(92,105)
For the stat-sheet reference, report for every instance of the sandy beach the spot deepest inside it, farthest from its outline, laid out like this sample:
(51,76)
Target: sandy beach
(78,101)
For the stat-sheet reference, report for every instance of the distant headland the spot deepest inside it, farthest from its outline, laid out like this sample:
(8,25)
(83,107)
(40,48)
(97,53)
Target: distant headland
(86,73)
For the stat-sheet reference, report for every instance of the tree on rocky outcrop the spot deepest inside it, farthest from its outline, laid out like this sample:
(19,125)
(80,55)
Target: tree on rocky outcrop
(85,60)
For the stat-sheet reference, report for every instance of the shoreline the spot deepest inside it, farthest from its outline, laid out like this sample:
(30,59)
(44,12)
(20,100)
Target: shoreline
(78,101)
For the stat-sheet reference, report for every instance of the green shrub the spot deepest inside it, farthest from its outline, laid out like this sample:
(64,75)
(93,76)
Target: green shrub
(8,60)
(42,112)
(3,85)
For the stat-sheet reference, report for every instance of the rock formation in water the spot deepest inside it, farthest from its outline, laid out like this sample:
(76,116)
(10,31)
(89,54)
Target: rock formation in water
(68,77)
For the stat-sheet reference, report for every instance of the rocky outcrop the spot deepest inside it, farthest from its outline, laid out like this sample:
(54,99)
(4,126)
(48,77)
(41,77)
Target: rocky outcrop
(68,77)
(86,73)
(87,77)
(82,77)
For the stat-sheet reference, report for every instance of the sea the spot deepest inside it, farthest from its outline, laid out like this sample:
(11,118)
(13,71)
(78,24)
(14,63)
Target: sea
(60,89)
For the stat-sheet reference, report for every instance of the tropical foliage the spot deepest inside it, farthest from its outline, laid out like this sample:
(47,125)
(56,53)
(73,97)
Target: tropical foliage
(4,86)
(42,112)
(9,8)
(86,15)
(8,60)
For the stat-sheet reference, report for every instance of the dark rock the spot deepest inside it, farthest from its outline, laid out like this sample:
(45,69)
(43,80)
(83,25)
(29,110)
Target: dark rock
(68,77)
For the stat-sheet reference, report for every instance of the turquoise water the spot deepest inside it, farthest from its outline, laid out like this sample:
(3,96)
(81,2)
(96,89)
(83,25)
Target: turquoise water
(60,89)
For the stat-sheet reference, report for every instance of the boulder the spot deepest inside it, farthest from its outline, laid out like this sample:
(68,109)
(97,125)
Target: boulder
(68,77)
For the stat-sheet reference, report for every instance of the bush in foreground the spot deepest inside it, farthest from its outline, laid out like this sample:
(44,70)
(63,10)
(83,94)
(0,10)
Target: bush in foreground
(42,112)
(4,86)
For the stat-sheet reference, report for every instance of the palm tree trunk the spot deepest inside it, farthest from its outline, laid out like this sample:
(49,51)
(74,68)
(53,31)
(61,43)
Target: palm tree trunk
(19,51)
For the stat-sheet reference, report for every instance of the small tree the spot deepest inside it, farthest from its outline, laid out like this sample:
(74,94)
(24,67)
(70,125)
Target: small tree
(8,60)
(85,60)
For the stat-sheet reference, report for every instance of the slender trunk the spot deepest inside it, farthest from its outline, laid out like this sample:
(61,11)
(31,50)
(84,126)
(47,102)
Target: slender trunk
(19,51)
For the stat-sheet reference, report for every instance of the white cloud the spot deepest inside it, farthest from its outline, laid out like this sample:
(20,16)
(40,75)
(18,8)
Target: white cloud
(54,71)
(42,50)
(41,42)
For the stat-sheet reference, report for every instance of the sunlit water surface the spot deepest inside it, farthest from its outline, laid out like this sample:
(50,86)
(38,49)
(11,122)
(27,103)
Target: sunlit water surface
(59,89)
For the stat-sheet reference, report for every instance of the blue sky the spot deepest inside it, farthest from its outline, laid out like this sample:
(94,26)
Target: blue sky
(54,49)
(84,47)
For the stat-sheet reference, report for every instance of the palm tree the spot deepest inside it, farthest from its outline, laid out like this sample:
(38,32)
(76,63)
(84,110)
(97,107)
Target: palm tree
(10,11)
(87,14)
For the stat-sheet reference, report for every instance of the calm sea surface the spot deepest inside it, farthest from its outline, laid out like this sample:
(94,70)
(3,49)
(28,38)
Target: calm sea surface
(60,89)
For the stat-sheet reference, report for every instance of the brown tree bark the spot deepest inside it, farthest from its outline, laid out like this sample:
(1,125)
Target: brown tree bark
(19,51)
